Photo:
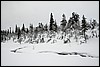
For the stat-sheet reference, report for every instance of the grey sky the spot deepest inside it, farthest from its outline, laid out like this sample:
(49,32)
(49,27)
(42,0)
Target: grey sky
(19,12)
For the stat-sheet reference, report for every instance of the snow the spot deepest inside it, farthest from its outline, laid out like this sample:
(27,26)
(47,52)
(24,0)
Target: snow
(30,56)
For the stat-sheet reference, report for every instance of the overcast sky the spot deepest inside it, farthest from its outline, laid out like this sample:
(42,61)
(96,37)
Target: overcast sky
(19,12)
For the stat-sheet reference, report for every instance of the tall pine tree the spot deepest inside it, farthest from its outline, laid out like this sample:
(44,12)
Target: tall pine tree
(63,22)
(51,22)
(27,30)
(84,26)
(75,21)
(31,28)
(19,32)
(23,28)
(16,29)
(10,30)
(55,26)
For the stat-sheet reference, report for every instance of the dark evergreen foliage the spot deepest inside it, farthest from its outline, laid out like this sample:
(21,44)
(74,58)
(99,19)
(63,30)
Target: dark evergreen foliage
(16,29)
(51,22)
(23,28)
(84,26)
(69,29)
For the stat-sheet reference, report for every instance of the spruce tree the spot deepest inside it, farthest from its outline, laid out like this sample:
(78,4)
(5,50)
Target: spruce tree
(16,29)
(7,31)
(39,25)
(23,28)
(31,28)
(63,22)
(19,32)
(75,21)
(10,30)
(94,24)
(51,22)
(46,27)
(27,30)
(84,26)
(55,25)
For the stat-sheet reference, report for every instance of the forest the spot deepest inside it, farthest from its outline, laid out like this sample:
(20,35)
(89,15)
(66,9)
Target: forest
(68,30)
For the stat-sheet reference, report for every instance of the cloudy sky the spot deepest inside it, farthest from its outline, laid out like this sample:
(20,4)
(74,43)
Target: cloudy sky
(19,12)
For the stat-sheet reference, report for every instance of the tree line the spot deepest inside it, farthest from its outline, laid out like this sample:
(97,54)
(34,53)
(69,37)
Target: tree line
(72,24)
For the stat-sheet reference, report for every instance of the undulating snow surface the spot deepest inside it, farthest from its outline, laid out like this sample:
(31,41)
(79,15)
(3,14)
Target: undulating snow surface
(30,54)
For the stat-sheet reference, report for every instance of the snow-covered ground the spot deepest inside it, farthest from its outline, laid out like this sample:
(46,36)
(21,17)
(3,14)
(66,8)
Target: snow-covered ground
(30,54)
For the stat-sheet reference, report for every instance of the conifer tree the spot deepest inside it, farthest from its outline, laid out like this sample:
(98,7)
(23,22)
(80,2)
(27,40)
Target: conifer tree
(19,32)
(84,26)
(75,21)
(16,29)
(10,30)
(46,27)
(31,28)
(63,22)
(55,25)
(27,30)
(23,28)
(51,22)
(7,31)
(94,24)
